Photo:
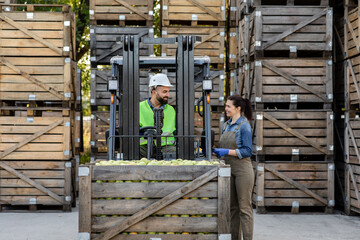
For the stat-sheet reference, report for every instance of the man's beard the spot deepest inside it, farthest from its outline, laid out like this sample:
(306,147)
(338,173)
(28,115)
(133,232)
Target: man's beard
(161,100)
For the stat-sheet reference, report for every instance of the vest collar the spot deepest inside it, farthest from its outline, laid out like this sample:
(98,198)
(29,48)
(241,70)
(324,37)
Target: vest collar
(152,107)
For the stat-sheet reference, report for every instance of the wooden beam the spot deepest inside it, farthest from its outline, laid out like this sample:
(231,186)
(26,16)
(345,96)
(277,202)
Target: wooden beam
(102,118)
(207,38)
(133,9)
(172,197)
(296,184)
(31,34)
(354,78)
(295,133)
(31,138)
(32,183)
(206,9)
(32,79)
(352,33)
(293,79)
(352,136)
(114,48)
(294,29)
(354,184)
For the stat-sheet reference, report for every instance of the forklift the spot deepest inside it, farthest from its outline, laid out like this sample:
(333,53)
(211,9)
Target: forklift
(123,136)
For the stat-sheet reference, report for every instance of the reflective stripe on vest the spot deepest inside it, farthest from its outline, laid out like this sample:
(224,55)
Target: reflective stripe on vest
(147,119)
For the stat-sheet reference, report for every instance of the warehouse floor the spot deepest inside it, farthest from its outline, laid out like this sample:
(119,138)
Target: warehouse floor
(56,225)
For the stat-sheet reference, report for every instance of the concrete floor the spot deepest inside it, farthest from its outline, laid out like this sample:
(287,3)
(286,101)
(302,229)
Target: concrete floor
(56,225)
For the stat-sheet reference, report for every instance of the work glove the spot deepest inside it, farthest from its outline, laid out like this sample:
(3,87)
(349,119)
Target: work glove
(221,152)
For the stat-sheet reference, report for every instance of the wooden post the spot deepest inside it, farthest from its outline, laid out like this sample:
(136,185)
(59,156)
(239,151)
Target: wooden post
(347,190)
(259,53)
(331,188)
(67,188)
(224,216)
(330,135)
(260,187)
(259,136)
(259,101)
(85,189)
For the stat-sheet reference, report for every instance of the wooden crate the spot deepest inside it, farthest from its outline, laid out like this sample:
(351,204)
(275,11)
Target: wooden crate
(292,31)
(121,12)
(35,138)
(217,121)
(352,74)
(33,33)
(294,135)
(258,3)
(245,39)
(100,96)
(212,42)
(34,182)
(352,139)
(301,83)
(193,13)
(352,186)
(103,42)
(351,32)
(295,185)
(145,197)
(100,122)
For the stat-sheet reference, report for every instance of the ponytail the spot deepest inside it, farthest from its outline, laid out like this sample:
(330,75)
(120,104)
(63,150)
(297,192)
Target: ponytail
(244,104)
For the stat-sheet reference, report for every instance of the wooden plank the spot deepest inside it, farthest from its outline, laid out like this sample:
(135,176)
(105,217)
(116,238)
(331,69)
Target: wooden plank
(296,184)
(85,204)
(128,222)
(354,183)
(260,185)
(223,208)
(205,9)
(133,9)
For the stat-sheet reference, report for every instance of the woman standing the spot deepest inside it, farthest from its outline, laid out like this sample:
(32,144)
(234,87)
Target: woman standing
(236,150)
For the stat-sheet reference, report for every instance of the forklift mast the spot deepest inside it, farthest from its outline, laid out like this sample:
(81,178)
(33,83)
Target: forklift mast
(124,87)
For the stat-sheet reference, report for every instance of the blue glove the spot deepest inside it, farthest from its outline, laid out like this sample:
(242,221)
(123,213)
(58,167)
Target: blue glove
(221,152)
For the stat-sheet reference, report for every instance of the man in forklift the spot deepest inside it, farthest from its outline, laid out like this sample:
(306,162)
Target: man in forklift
(160,90)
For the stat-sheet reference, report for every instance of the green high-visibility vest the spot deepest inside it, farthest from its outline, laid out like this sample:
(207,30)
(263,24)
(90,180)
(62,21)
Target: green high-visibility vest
(147,120)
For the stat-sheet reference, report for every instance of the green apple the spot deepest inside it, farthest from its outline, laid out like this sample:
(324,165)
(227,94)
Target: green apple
(151,233)
(167,215)
(184,215)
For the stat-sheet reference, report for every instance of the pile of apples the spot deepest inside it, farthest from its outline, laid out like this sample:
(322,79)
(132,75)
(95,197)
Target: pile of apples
(145,161)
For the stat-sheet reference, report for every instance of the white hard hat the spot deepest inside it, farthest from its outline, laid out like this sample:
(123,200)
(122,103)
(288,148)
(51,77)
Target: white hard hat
(159,79)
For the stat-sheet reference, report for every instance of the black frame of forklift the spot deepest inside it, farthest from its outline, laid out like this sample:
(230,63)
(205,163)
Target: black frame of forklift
(124,87)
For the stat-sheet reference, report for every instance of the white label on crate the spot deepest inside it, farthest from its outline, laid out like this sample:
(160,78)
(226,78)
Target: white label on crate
(92,75)
(231,93)
(222,8)
(222,77)
(83,171)
(78,98)
(163,32)
(165,7)
(222,119)
(258,13)
(258,63)
(122,17)
(259,198)
(194,17)
(245,51)
(32,201)
(343,116)
(155,239)
(222,34)
(257,99)
(77,159)
(260,168)
(331,203)
(232,56)
(330,12)
(92,101)
(293,98)
(77,140)
(331,167)
(30,119)
(331,147)
(92,116)
(232,74)
(221,99)
(232,34)
(92,143)
(92,31)
(295,151)
(221,56)
(356,116)
(92,159)
(83,236)
(224,236)
(151,30)
(29,15)
(67,23)
(91,12)
(224,172)
(246,18)
(32,97)
(330,62)
(257,43)
(330,96)
(68,164)
(259,148)
(67,60)
(67,95)
(246,66)
(7,9)
(295,204)
(77,118)
(233,9)
(331,116)
(68,198)
(67,152)
(330,43)
(66,48)
(163,54)
(259,117)
(151,13)
(67,124)
(293,49)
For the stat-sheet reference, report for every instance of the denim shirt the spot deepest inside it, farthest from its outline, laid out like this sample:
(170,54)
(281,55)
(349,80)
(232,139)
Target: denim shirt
(243,137)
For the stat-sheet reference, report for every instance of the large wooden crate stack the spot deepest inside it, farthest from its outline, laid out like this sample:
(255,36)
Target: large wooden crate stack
(352,102)
(154,202)
(284,66)
(39,105)
(206,19)
(108,19)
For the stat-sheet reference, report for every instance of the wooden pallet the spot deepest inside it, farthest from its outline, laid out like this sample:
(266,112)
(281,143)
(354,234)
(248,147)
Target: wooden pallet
(150,203)
(103,42)
(294,135)
(294,185)
(34,182)
(352,186)
(121,12)
(292,31)
(300,83)
(351,32)
(212,42)
(193,13)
